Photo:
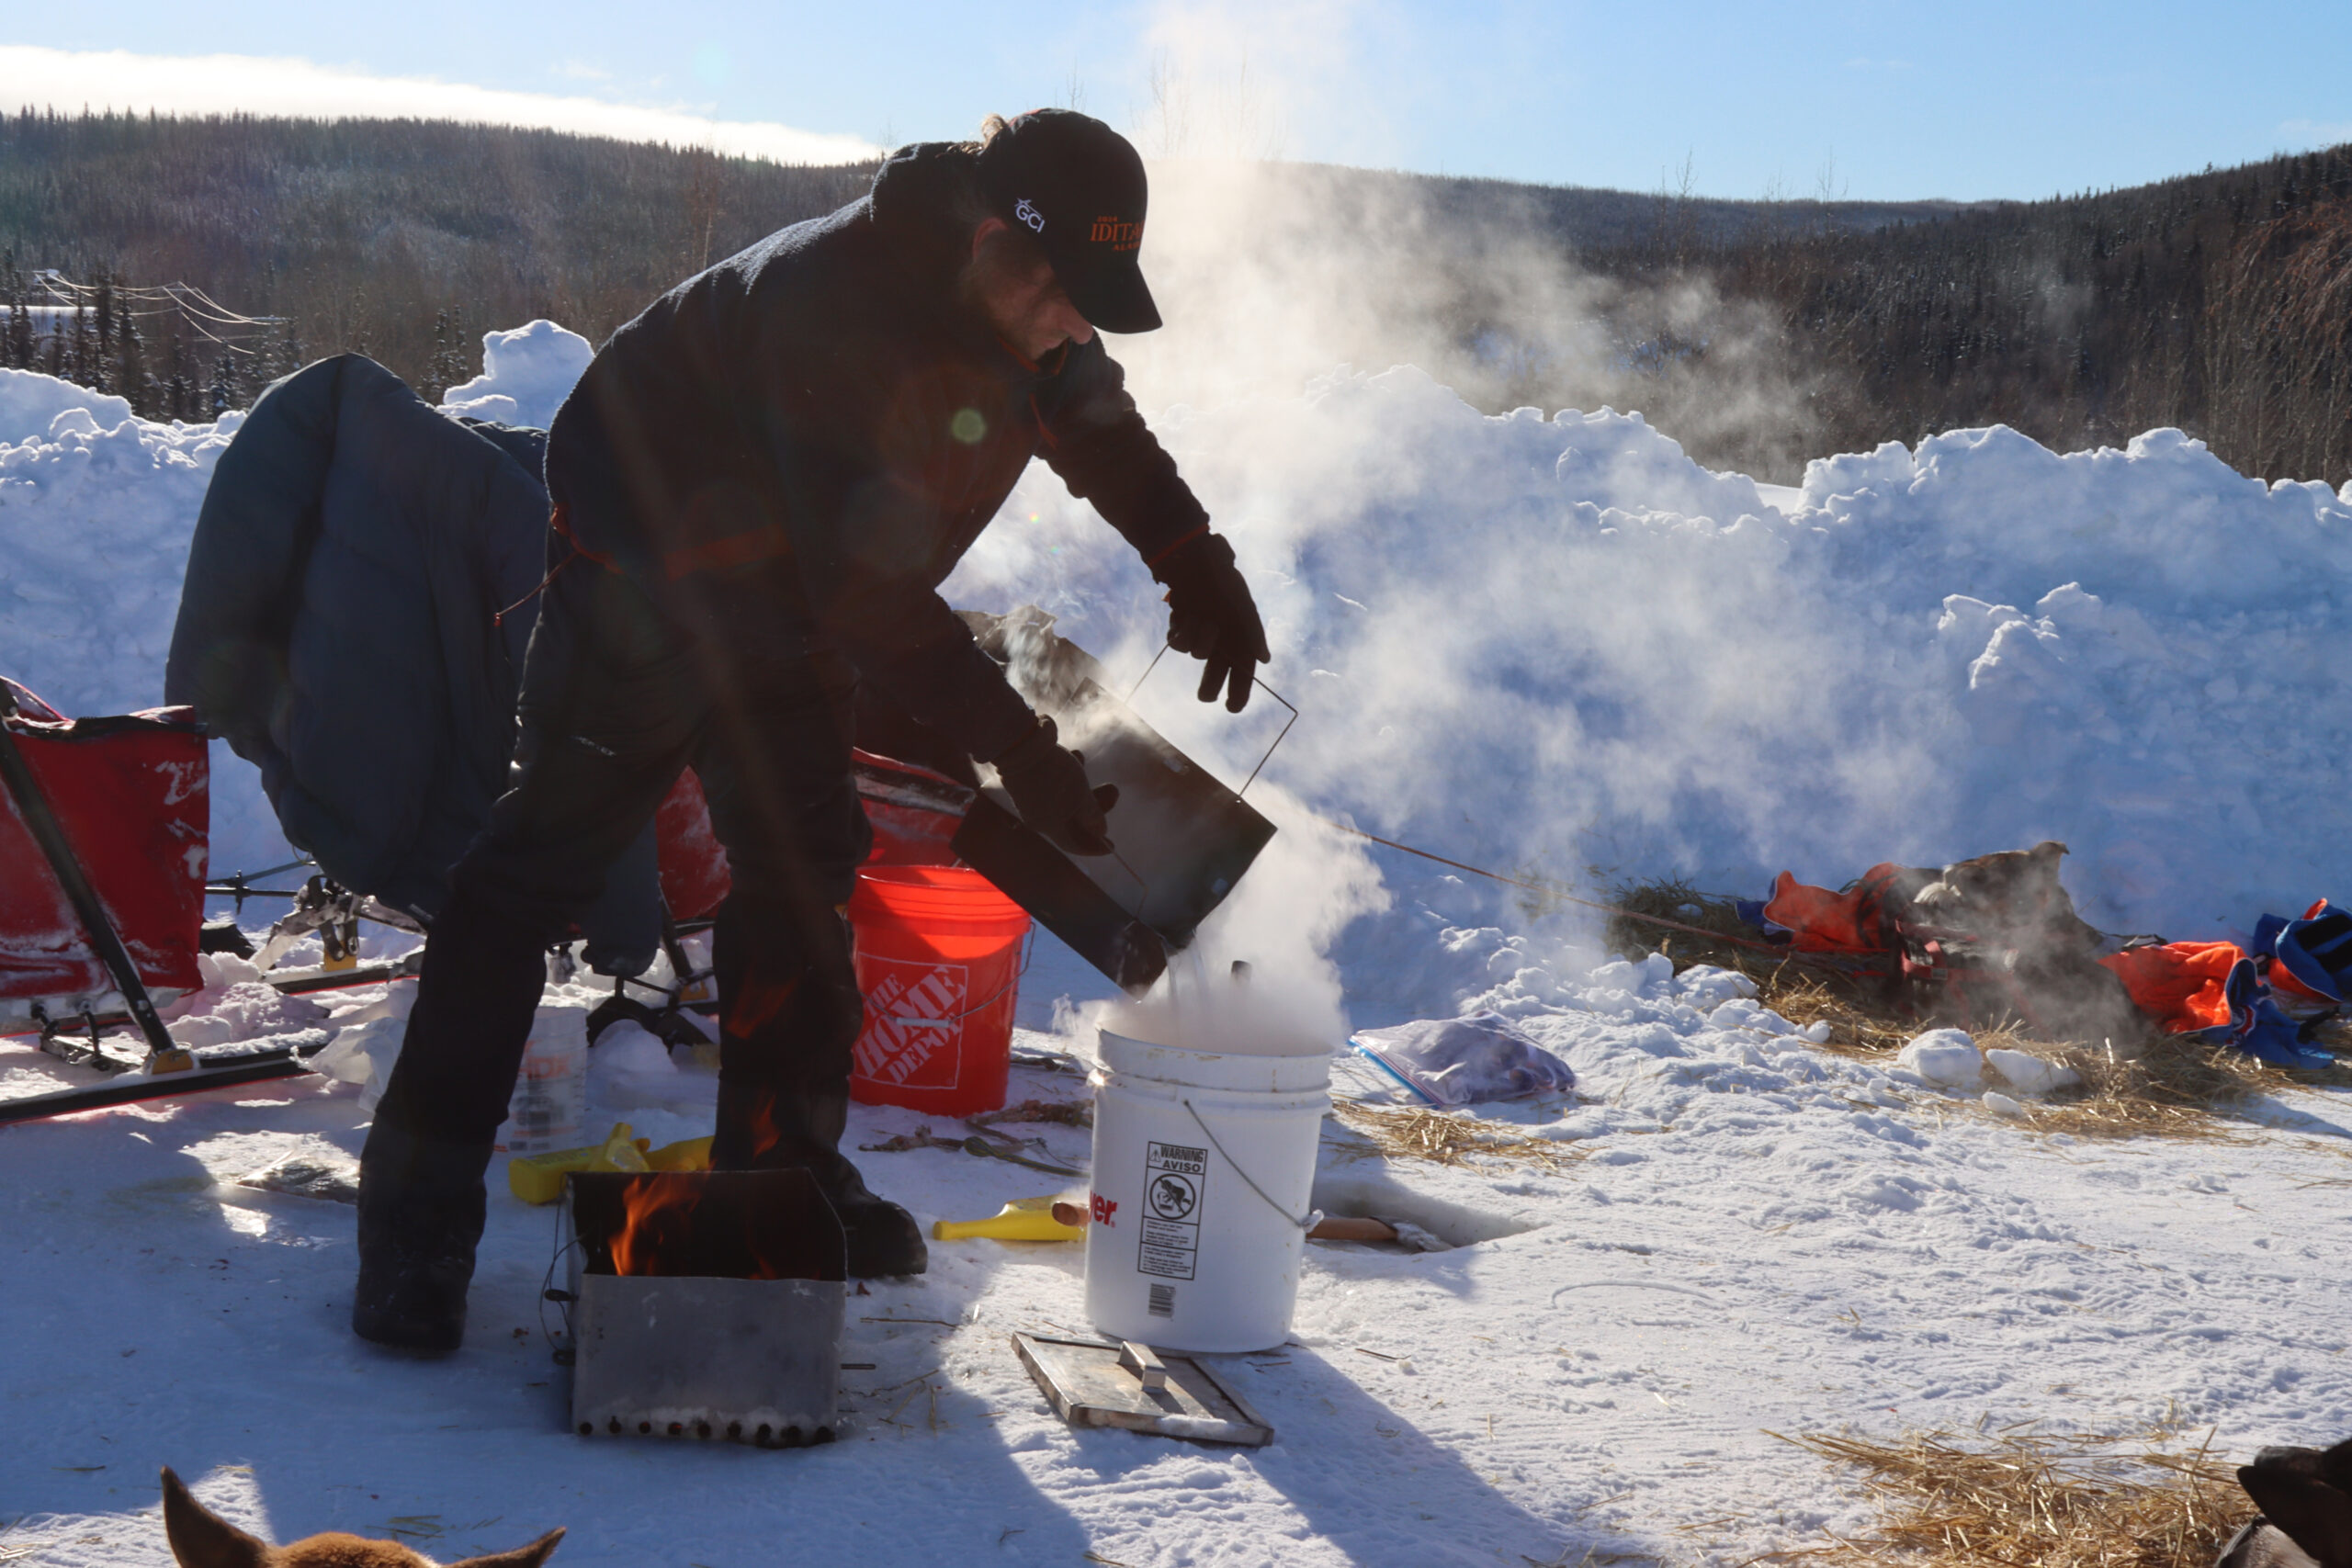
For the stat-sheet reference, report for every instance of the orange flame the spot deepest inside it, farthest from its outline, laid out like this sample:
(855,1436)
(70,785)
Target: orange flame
(654,1238)
(667,1230)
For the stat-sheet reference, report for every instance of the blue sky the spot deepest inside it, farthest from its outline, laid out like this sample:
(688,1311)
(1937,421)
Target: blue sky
(1884,98)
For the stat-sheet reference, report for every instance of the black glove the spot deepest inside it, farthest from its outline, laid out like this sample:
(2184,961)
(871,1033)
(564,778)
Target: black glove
(1048,784)
(1212,618)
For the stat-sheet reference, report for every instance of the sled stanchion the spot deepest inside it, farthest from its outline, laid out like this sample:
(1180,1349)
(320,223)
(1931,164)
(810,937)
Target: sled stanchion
(240,885)
(53,1041)
(163,1054)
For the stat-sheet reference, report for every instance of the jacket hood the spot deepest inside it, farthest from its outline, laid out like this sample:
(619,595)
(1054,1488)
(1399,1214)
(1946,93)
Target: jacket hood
(915,199)
(915,196)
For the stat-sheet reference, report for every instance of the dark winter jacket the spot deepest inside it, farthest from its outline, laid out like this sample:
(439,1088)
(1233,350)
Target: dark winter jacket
(339,627)
(819,416)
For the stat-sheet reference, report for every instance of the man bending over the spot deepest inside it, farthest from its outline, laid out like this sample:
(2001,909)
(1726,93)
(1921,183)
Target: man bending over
(759,485)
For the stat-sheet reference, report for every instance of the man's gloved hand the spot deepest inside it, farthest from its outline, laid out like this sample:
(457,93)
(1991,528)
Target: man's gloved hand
(1047,783)
(1212,618)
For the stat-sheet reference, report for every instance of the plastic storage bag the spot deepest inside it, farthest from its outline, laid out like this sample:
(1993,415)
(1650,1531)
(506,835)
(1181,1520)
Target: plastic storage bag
(1460,1061)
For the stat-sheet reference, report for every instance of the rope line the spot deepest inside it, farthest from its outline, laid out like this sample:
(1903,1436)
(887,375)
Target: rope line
(1553,890)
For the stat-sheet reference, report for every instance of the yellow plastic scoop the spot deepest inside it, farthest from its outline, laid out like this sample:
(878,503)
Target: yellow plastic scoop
(688,1154)
(1024,1219)
(538,1178)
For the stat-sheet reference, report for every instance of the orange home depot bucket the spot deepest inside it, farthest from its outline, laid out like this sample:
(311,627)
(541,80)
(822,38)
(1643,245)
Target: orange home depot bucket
(939,960)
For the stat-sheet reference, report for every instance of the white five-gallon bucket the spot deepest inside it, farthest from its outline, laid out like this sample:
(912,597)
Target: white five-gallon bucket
(1203,1164)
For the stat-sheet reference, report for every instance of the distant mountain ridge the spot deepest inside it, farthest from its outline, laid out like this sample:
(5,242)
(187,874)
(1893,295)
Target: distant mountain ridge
(1596,217)
(427,215)
(1758,331)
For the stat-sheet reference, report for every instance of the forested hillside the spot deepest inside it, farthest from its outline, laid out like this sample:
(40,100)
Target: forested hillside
(2221,302)
(400,239)
(2217,301)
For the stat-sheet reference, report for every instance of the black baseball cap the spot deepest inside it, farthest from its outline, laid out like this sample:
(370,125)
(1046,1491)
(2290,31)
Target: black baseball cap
(1078,185)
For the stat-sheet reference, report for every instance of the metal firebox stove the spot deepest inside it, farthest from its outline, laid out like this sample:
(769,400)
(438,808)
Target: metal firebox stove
(706,1305)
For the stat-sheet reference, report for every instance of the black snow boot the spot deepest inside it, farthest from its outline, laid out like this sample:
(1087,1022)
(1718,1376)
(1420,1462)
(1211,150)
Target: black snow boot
(884,1238)
(761,1128)
(421,1212)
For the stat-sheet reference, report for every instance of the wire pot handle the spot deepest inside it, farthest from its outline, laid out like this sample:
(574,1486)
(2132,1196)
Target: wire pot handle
(1313,1217)
(1255,681)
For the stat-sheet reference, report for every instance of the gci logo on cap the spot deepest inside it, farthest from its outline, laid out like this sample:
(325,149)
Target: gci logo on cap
(1074,167)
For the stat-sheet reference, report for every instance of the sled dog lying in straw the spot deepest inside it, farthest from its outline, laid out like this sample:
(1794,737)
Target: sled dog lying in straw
(203,1539)
(2305,1497)
(2015,913)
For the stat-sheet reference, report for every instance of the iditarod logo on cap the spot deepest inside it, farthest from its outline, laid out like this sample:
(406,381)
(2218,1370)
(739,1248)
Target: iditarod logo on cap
(1029,215)
(1117,232)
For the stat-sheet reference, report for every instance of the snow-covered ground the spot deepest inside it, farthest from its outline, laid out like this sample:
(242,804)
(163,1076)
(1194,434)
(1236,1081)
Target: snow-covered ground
(1750,1238)
(1549,644)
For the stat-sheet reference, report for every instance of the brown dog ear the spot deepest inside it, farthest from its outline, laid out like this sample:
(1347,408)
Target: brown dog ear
(203,1539)
(2334,1466)
(2312,1514)
(529,1556)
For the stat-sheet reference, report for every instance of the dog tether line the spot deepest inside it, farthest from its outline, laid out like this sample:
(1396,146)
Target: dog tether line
(1553,890)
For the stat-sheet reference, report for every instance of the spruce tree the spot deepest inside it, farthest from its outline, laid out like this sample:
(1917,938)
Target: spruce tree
(12,294)
(178,393)
(84,349)
(19,353)
(287,357)
(102,357)
(131,378)
(450,365)
(221,392)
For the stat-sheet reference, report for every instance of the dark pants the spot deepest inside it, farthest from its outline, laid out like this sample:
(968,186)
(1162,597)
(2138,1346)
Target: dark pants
(619,694)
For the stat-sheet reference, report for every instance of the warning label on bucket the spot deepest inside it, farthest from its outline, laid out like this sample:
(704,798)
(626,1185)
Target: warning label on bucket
(1172,1210)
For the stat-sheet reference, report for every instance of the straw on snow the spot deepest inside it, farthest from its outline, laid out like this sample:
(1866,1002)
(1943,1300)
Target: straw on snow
(1412,1131)
(2038,1500)
(2171,1088)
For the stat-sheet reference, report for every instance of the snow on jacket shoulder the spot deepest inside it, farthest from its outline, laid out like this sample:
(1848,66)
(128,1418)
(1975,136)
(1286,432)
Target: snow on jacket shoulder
(824,402)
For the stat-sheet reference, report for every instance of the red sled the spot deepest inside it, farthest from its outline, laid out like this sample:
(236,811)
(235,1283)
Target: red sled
(132,796)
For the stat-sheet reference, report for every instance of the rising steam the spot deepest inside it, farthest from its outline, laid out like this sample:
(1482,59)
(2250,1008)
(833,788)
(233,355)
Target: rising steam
(1440,633)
